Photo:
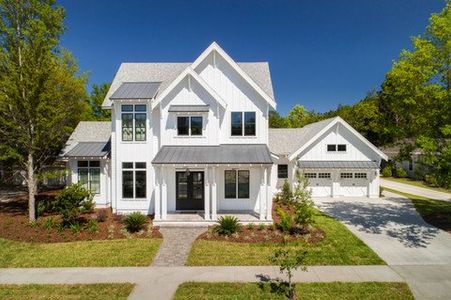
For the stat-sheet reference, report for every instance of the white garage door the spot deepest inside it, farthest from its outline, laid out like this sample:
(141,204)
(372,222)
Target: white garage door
(320,184)
(353,184)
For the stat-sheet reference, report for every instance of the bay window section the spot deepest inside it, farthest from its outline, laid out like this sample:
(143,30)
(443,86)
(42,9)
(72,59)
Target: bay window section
(236,184)
(89,175)
(134,180)
(133,122)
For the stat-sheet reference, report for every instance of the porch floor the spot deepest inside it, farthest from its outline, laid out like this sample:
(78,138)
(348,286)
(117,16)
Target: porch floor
(196,219)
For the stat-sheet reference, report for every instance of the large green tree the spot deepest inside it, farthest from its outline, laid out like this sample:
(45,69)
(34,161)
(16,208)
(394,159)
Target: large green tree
(42,97)
(95,100)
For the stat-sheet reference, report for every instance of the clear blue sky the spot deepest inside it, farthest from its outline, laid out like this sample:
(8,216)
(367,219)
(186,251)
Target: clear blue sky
(321,53)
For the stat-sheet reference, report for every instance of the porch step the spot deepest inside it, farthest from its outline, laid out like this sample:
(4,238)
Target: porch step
(203,223)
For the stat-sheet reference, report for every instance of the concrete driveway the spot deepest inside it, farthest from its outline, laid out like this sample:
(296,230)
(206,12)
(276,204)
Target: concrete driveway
(392,228)
(415,190)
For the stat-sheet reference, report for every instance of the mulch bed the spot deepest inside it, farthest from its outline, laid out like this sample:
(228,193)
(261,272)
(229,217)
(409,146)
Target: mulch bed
(268,234)
(14,224)
(441,220)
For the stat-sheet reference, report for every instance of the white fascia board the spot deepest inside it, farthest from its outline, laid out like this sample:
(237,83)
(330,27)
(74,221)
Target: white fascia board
(331,124)
(188,72)
(215,47)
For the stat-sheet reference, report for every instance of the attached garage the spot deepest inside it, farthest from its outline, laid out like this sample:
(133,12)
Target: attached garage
(340,178)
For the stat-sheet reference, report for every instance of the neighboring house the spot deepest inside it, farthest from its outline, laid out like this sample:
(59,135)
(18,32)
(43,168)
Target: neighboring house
(190,137)
(392,151)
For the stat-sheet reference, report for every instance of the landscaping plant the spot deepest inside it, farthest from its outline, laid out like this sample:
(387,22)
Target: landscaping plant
(286,195)
(92,226)
(72,202)
(286,223)
(401,173)
(134,222)
(227,225)
(386,171)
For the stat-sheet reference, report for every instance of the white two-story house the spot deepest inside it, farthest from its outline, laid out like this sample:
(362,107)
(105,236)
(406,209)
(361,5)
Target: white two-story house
(194,138)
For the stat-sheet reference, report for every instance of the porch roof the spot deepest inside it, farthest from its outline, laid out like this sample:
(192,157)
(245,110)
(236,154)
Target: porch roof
(337,164)
(221,154)
(89,149)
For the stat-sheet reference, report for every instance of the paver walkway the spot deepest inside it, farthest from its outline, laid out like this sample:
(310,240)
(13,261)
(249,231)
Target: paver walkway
(177,242)
(415,190)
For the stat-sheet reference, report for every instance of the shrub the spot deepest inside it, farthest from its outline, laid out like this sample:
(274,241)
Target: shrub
(75,227)
(134,222)
(401,173)
(286,195)
(430,180)
(286,223)
(386,172)
(73,201)
(261,227)
(250,226)
(92,226)
(303,199)
(49,223)
(227,225)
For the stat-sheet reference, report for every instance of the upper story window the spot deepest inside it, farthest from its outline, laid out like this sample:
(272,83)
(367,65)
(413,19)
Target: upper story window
(191,125)
(89,175)
(134,122)
(331,148)
(243,123)
(339,148)
(282,171)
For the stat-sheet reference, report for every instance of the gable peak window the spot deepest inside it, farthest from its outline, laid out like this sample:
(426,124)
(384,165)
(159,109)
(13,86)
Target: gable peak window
(331,148)
(243,123)
(336,147)
(189,125)
(133,119)
(341,147)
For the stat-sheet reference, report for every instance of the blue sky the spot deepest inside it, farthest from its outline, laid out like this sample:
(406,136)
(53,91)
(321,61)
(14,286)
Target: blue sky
(321,53)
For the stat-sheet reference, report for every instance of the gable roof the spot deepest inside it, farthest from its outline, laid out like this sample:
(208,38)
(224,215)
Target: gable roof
(88,131)
(292,141)
(166,73)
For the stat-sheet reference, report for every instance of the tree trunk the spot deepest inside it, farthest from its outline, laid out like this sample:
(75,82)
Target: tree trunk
(31,181)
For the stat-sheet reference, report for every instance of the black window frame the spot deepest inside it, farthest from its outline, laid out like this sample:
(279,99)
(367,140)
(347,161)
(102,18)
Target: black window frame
(137,172)
(137,114)
(282,174)
(90,166)
(331,148)
(189,125)
(343,148)
(243,123)
(237,194)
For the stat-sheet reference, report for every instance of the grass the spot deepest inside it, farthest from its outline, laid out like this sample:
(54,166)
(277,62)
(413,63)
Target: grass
(65,291)
(417,183)
(107,253)
(340,247)
(330,290)
(429,207)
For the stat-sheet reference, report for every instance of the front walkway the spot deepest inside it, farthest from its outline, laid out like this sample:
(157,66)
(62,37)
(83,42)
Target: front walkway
(392,228)
(415,190)
(177,242)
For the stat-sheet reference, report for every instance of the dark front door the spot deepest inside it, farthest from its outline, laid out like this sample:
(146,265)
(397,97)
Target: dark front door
(189,190)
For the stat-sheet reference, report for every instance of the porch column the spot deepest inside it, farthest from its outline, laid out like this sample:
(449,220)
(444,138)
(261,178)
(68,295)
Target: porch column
(262,197)
(207,193)
(157,194)
(164,195)
(214,196)
(268,194)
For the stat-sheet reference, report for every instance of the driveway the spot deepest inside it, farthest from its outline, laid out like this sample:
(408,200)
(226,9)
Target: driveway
(415,190)
(392,228)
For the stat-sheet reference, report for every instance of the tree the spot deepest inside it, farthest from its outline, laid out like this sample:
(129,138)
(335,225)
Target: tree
(95,100)
(42,97)
(299,116)
(415,97)
(276,120)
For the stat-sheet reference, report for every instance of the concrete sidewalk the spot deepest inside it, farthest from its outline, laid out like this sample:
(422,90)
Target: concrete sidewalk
(162,282)
(415,190)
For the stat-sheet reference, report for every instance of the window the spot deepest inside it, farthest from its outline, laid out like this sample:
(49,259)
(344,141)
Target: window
(331,148)
(323,175)
(282,171)
(239,118)
(310,175)
(360,175)
(89,175)
(236,184)
(341,148)
(134,122)
(134,180)
(345,175)
(189,126)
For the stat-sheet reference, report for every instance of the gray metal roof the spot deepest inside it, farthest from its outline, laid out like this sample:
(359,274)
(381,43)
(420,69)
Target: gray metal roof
(88,131)
(136,90)
(167,72)
(189,108)
(89,149)
(222,154)
(318,164)
(285,141)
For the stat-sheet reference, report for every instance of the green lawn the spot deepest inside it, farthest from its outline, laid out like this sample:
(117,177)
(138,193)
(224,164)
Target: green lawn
(418,183)
(66,291)
(428,207)
(340,247)
(108,253)
(330,290)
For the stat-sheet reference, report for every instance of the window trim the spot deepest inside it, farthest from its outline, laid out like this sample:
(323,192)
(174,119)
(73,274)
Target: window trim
(134,169)
(243,124)
(237,171)
(278,171)
(190,126)
(133,112)
(88,167)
